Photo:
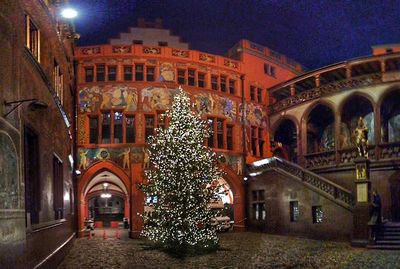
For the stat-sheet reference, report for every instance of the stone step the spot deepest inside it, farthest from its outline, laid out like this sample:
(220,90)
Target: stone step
(388,237)
(386,247)
(388,242)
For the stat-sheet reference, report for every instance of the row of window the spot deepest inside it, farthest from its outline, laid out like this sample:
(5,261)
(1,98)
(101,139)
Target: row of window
(116,127)
(141,72)
(259,211)
(270,70)
(256,94)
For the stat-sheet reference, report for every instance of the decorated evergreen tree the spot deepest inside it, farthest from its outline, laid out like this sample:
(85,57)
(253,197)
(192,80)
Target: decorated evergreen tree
(181,182)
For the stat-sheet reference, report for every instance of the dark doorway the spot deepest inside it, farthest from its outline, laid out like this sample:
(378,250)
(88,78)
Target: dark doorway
(32,175)
(285,140)
(394,182)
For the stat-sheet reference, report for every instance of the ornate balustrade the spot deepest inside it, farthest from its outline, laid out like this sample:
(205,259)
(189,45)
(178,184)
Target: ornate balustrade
(389,150)
(348,155)
(327,188)
(326,158)
(334,87)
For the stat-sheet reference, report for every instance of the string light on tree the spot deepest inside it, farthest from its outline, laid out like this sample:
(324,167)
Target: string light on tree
(183,176)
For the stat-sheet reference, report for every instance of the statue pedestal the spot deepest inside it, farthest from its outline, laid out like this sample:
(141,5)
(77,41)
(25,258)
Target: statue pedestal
(361,207)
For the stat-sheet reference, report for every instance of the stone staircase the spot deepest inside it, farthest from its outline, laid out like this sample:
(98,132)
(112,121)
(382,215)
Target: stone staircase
(317,183)
(388,237)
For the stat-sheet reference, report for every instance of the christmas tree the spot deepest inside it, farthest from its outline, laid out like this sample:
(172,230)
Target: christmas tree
(181,182)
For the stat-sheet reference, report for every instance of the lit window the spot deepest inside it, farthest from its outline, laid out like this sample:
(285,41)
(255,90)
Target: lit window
(161,120)
(149,129)
(139,72)
(259,212)
(112,73)
(118,127)
(32,38)
(294,211)
(317,214)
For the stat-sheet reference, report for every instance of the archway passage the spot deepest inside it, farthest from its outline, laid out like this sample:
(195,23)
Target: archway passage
(285,139)
(390,117)
(104,192)
(355,107)
(320,129)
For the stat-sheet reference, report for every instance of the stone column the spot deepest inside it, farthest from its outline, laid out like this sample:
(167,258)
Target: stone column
(362,199)
(137,201)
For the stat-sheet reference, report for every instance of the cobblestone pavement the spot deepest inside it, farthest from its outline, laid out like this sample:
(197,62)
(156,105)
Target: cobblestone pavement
(237,250)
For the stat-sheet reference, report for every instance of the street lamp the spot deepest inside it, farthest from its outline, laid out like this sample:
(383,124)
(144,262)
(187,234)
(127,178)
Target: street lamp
(69,13)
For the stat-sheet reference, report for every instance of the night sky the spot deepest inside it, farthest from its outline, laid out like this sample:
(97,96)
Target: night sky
(314,33)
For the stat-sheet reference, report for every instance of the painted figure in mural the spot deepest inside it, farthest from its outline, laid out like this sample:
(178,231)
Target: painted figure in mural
(361,138)
(126,159)
(239,167)
(146,159)
(83,159)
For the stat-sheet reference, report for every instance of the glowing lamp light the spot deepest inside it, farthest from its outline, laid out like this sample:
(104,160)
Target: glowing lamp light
(105,195)
(69,13)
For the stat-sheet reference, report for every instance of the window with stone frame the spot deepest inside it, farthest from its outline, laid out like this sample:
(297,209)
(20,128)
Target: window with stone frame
(294,211)
(259,95)
(214,82)
(317,214)
(139,72)
(93,129)
(232,86)
(130,129)
(150,73)
(222,83)
(100,72)
(128,73)
(149,126)
(181,76)
(106,127)
(192,77)
(118,127)
(201,77)
(252,93)
(58,81)
(32,35)
(229,137)
(89,74)
(111,73)
(258,205)
(261,141)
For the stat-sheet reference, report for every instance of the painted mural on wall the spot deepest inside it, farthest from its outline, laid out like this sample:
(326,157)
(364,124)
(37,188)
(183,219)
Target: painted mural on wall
(254,115)
(8,173)
(157,98)
(328,138)
(91,99)
(207,103)
(235,162)
(122,156)
(167,72)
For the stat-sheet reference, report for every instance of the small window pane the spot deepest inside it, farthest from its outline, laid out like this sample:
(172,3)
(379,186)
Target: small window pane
(93,130)
(112,73)
(317,214)
(130,129)
(127,73)
(106,130)
(118,127)
(294,211)
(139,72)
(100,72)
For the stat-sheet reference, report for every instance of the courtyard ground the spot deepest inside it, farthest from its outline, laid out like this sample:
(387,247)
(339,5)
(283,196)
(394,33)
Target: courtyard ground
(237,250)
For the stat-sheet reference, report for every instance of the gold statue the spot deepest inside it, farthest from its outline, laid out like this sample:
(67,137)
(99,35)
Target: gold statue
(83,159)
(146,159)
(361,138)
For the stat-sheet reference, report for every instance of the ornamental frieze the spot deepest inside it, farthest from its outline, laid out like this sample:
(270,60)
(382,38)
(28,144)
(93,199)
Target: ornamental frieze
(230,63)
(151,50)
(90,51)
(121,49)
(180,53)
(207,58)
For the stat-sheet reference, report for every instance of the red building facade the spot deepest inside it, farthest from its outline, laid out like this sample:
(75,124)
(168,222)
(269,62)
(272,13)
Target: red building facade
(123,90)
